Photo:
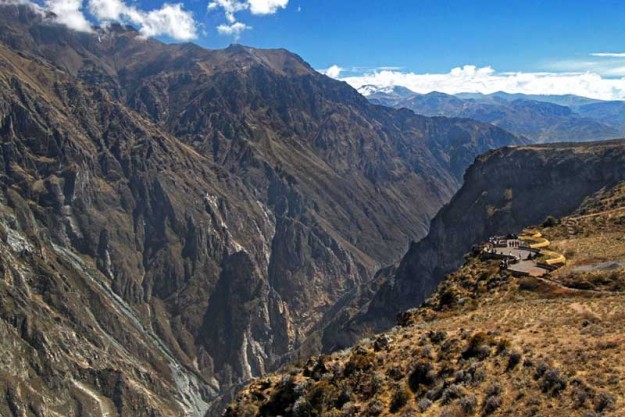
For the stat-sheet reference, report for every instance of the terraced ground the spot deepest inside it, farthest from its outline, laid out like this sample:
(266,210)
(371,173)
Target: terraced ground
(486,343)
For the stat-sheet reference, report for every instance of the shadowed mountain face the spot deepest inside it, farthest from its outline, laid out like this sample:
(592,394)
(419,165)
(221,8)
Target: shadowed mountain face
(177,220)
(540,118)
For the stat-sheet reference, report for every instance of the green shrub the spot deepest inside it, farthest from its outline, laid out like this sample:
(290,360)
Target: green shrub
(553,382)
(604,401)
(550,221)
(400,399)
(422,374)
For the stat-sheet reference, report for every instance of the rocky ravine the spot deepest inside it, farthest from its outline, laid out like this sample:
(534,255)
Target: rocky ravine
(177,220)
(487,342)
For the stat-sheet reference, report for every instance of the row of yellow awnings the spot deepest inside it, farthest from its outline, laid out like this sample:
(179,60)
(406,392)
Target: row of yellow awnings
(540,243)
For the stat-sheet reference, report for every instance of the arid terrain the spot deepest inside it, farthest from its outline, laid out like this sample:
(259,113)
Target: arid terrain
(176,222)
(486,343)
(180,220)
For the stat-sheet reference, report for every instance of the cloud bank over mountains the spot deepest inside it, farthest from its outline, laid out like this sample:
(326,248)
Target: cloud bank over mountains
(486,80)
(171,19)
(599,75)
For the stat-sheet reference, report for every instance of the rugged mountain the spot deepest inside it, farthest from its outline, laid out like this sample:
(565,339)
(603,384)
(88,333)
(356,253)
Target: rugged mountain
(504,191)
(486,342)
(177,220)
(540,118)
(609,112)
(385,96)
(566,100)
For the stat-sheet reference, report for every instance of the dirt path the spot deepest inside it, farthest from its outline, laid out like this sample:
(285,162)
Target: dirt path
(576,290)
(586,216)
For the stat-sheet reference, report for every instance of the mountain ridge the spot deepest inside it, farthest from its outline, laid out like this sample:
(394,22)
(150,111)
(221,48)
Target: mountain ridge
(226,201)
(566,172)
(541,118)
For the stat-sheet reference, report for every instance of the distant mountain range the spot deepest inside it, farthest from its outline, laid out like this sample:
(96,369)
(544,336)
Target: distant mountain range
(541,118)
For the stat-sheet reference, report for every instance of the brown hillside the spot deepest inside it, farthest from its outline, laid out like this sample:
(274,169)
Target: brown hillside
(486,343)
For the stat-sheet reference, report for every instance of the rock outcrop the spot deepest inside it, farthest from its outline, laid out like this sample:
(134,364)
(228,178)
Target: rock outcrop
(487,341)
(504,191)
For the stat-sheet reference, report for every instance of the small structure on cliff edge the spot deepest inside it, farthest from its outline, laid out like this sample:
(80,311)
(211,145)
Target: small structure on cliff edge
(524,255)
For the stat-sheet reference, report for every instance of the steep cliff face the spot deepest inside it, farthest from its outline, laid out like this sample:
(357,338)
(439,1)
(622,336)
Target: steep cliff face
(504,191)
(222,203)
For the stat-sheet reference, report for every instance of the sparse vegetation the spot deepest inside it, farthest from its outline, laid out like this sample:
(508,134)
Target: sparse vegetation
(513,360)
(400,399)
(424,404)
(422,375)
(504,346)
(605,401)
(552,382)
(468,404)
(478,346)
(491,404)
(550,221)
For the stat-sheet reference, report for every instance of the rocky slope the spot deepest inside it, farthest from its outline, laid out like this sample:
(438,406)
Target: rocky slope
(485,343)
(540,118)
(504,191)
(177,220)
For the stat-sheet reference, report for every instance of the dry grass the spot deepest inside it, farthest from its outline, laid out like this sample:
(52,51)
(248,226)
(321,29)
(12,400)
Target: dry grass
(485,343)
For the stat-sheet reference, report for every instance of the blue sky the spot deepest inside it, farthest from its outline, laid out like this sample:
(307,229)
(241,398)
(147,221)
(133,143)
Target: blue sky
(530,46)
(435,35)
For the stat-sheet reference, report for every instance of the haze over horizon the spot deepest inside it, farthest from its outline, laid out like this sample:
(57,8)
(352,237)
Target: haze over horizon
(532,48)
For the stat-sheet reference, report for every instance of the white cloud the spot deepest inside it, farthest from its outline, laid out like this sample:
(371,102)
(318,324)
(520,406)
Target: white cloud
(486,80)
(266,6)
(107,9)
(333,72)
(607,64)
(609,54)
(234,29)
(69,13)
(389,68)
(232,7)
(170,20)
